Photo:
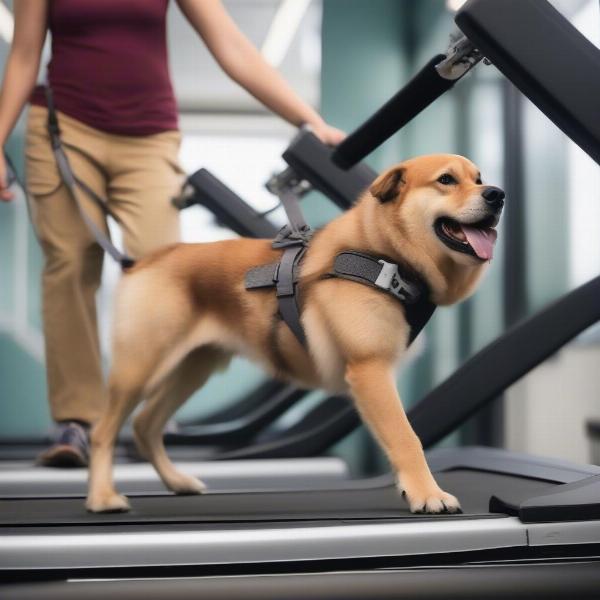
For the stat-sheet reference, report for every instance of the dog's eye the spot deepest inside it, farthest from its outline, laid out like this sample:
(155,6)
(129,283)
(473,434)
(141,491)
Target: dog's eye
(447,179)
(478,181)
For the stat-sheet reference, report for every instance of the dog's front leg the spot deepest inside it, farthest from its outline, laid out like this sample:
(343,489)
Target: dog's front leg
(374,390)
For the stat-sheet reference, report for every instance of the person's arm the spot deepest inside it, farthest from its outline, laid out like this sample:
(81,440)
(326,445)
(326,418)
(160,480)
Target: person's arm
(238,57)
(21,71)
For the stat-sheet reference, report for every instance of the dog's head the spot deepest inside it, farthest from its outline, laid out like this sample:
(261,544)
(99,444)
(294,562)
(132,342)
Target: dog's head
(441,205)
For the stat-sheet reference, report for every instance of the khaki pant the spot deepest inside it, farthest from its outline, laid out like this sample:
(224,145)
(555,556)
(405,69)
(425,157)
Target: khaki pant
(137,176)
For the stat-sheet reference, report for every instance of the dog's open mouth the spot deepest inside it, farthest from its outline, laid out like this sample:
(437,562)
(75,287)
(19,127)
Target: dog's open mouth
(476,239)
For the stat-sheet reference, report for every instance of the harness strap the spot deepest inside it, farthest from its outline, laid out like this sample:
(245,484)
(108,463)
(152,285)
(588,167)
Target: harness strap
(71,182)
(378,273)
(283,276)
(286,290)
(290,203)
(264,276)
(417,315)
(353,266)
(385,276)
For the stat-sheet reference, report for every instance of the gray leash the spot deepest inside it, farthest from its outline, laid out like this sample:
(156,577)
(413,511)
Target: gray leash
(72,183)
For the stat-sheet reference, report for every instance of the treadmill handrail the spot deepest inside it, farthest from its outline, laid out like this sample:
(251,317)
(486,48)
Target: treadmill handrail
(229,209)
(423,89)
(433,80)
(545,57)
(310,442)
(533,45)
(311,160)
(249,402)
(236,431)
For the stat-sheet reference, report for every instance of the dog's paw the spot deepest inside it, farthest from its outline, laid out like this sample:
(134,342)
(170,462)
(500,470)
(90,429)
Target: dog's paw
(107,504)
(430,500)
(185,485)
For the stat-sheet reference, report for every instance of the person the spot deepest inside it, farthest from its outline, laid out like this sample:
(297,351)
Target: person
(118,118)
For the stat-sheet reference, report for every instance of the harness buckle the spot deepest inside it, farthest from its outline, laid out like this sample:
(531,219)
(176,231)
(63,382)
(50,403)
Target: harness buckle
(389,280)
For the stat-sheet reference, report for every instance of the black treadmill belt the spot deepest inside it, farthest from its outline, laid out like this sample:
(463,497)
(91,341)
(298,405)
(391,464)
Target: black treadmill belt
(473,488)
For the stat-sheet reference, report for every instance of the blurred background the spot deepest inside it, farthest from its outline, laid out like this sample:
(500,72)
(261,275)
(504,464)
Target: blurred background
(347,57)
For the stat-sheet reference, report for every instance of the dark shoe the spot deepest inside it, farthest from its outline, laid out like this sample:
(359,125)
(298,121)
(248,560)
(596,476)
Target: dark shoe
(70,448)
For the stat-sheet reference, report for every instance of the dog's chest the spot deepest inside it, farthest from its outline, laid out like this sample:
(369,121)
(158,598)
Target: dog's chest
(328,364)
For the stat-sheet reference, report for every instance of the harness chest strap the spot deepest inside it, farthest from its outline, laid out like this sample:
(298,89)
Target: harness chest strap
(354,266)
(377,273)
(387,277)
(287,295)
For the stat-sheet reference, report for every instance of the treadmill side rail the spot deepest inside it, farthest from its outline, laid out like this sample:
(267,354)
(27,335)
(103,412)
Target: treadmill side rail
(270,543)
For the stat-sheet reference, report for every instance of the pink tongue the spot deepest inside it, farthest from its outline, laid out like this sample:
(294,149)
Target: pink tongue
(481,240)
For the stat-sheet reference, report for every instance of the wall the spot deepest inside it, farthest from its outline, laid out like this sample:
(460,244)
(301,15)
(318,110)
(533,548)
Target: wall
(547,412)
(23,405)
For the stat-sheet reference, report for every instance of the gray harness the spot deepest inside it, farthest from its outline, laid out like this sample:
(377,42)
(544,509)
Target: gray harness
(283,276)
(388,277)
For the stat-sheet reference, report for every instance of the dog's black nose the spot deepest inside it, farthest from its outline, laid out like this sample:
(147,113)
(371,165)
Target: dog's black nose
(494,197)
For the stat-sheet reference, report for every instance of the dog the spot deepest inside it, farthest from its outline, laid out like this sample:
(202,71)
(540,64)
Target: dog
(183,312)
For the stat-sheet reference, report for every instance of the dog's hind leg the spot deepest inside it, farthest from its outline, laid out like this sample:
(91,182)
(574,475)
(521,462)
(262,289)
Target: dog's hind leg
(140,359)
(190,375)
(125,389)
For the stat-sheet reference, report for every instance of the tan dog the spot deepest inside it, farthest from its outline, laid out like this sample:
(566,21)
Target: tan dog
(184,311)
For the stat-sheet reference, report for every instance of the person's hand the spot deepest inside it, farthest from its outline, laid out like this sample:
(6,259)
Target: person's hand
(5,194)
(327,134)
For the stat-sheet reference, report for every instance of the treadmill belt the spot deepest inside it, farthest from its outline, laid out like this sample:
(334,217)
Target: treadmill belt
(472,487)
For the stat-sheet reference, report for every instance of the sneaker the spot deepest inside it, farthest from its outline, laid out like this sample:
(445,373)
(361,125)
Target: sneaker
(70,448)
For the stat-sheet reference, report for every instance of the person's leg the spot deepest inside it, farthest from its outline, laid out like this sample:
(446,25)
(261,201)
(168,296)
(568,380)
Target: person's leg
(72,269)
(144,177)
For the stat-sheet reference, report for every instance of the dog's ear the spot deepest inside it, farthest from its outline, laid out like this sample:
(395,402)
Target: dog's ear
(387,186)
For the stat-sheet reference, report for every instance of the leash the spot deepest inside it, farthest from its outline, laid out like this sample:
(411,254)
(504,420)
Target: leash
(72,183)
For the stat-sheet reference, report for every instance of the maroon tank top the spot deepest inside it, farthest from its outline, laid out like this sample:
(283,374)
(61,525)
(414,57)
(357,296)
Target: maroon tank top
(109,66)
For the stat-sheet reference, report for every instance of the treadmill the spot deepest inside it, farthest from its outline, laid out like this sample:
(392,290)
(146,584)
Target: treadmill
(530,527)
